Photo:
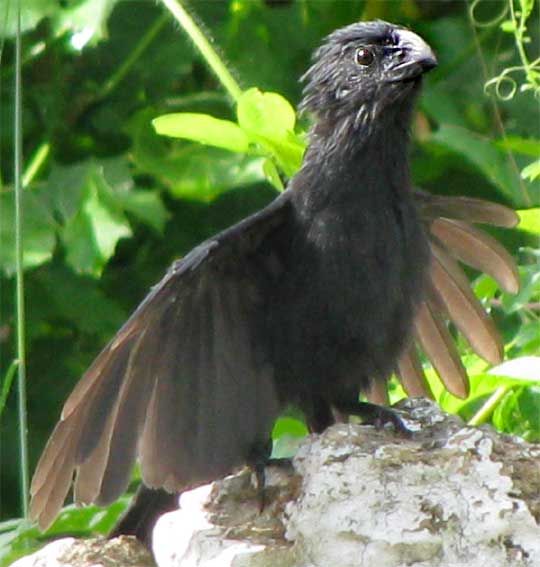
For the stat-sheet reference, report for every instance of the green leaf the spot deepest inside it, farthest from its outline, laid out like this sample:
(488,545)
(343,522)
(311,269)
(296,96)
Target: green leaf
(91,235)
(21,537)
(286,435)
(189,170)
(521,368)
(269,120)
(39,229)
(508,26)
(480,152)
(529,290)
(85,17)
(147,207)
(57,294)
(525,146)
(204,129)
(532,171)
(272,174)
(529,220)
(265,114)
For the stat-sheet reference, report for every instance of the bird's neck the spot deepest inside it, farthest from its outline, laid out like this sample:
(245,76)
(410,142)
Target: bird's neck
(356,164)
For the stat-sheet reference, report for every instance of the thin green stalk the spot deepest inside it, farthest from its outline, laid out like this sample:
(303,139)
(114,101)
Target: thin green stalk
(141,46)
(36,163)
(203,45)
(21,354)
(484,413)
(6,385)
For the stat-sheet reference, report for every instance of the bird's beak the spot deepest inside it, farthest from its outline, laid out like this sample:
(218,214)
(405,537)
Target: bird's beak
(419,53)
(417,58)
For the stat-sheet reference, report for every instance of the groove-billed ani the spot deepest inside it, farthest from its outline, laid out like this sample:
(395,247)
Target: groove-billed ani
(308,302)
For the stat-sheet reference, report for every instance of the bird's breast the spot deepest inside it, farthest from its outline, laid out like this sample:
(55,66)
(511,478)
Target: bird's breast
(344,307)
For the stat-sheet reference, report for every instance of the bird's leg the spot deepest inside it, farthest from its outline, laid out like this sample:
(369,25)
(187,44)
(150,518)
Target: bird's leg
(258,460)
(372,414)
(142,513)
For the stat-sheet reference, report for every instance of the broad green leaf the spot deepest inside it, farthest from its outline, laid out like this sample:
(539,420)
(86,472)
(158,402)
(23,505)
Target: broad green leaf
(21,537)
(529,290)
(204,129)
(269,120)
(441,106)
(58,294)
(288,153)
(66,186)
(91,235)
(521,368)
(525,146)
(32,11)
(265,114)
(480,152)
(147,207)
(205,173)
(286,435)
(39,229)
(85,17)
(87,20)
(189,170)
(527,339)
(529,220)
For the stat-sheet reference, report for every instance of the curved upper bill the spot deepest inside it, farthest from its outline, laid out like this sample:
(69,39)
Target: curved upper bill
(417,57)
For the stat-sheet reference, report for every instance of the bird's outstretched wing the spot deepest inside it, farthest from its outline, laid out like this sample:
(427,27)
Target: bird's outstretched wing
(184,387)
(449,224)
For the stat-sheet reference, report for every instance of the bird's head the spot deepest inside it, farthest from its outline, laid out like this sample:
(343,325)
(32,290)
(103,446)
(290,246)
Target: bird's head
(363,70)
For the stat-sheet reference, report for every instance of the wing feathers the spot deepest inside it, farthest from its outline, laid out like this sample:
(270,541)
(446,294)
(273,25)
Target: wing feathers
(411,374)
(438,345)
(178,386)
(464,208)
(49,490)
(127,419)
(463,307)
(478,250)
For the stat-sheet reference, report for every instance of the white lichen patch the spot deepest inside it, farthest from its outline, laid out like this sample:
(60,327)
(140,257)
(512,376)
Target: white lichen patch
(406,503)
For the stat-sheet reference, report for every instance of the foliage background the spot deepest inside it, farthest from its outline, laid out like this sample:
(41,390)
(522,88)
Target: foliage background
(108,204)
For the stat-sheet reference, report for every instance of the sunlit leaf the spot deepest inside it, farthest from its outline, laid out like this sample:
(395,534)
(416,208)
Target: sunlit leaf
(265,114)
(204,129)
(269,120)
(525,146)
(529,220)
(532,171)
(85,17)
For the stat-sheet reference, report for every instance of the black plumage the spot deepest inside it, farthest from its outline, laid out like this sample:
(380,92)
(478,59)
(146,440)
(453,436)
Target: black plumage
(310,301)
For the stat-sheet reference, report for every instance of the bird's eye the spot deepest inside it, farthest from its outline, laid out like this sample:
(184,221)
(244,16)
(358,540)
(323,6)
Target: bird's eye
(363,56)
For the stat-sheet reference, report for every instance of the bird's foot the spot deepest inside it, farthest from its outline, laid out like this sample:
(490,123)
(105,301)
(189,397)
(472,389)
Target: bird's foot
(376,415)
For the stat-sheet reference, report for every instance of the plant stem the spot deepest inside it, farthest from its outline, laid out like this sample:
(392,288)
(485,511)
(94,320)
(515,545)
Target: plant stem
(483,414)
(203,45)
(38,159)
(6,385)
(141,46)
(21,355)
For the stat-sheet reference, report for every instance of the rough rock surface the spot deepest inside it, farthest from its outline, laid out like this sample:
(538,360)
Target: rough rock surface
(447,496)
(124,551)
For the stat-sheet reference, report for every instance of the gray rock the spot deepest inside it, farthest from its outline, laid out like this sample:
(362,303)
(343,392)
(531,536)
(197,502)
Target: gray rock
(447,496)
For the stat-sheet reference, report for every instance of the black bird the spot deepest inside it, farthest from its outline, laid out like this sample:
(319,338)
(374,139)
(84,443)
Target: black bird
(309,302)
